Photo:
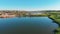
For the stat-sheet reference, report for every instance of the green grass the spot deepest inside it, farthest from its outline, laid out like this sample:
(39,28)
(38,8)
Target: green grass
(57,20)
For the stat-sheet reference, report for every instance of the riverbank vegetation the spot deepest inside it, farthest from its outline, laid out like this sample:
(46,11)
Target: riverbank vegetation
(55,16)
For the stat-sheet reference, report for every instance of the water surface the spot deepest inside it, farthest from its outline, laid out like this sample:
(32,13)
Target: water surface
(27,25)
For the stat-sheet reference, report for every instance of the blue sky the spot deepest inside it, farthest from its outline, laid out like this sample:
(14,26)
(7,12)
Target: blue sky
(30,4)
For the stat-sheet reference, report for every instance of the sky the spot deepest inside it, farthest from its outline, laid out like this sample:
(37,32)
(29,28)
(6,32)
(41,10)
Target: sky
(29,4)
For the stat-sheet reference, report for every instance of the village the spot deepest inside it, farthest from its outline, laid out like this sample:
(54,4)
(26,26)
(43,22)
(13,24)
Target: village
(10,14)
(16,13)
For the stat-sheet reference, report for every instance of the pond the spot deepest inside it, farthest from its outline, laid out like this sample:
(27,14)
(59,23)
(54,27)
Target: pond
(27,25)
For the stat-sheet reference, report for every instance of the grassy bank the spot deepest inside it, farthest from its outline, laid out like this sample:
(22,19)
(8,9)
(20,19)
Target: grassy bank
(56,19)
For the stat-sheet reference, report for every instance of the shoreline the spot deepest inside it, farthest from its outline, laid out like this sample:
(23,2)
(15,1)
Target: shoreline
(56,31)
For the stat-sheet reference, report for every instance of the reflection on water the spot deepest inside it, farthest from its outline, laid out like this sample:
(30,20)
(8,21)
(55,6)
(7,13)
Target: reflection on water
(27,25)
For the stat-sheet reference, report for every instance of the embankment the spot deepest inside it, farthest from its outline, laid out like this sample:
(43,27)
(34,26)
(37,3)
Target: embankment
(56,31)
